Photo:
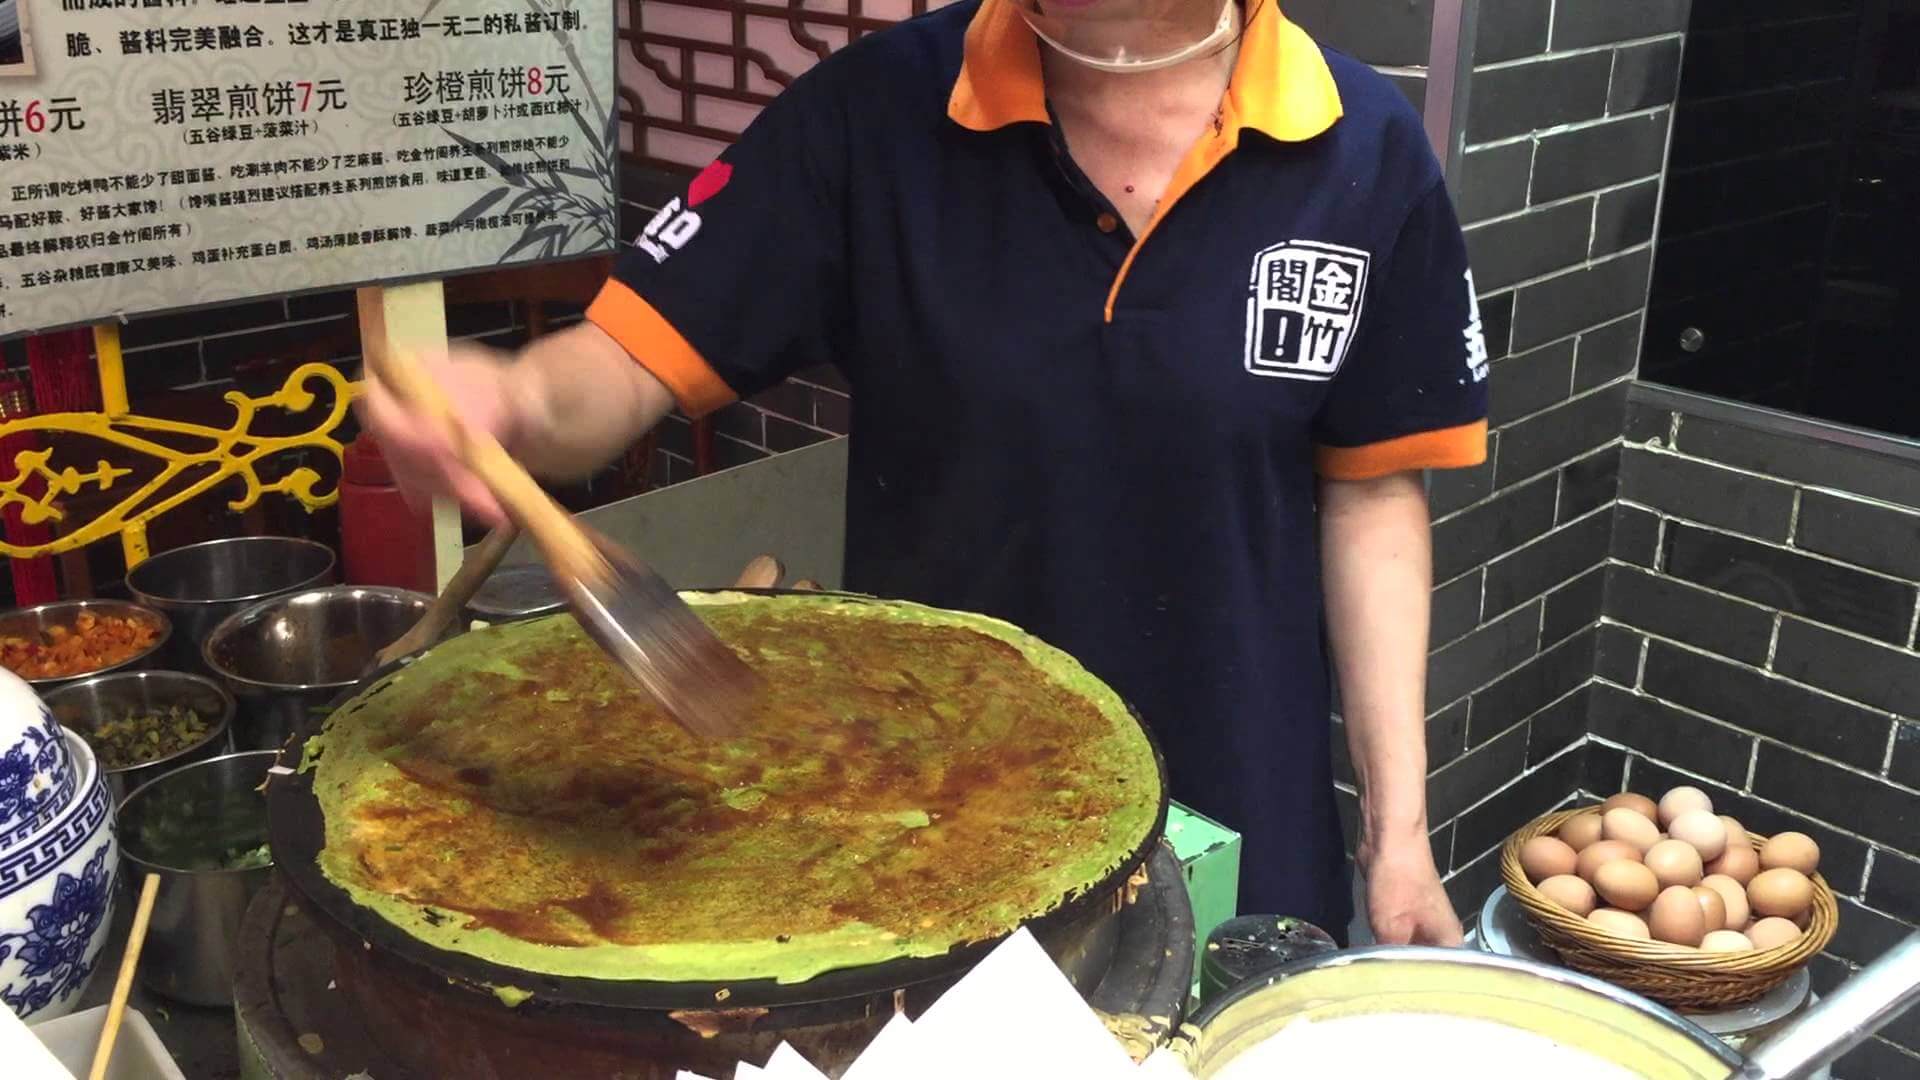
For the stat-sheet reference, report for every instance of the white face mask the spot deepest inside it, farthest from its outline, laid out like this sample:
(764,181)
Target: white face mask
(1132,35)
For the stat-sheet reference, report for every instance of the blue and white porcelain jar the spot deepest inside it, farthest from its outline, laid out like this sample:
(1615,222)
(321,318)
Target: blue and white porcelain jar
(56,897)
(37,778)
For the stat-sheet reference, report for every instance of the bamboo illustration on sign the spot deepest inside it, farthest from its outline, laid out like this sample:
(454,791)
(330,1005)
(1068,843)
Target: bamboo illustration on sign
(232,451)
(560,215)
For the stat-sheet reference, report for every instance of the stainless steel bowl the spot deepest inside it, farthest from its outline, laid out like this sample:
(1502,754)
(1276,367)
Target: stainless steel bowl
(35,621)
(176,826)
(199,585)
(82,705)
(1574,1010)
(287,658)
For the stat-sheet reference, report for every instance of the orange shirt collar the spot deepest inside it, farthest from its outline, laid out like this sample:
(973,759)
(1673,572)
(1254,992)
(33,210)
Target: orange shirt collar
(1281,86)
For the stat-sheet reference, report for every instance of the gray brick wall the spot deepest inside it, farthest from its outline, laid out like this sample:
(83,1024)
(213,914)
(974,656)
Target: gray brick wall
(1758,641)
(1568,111)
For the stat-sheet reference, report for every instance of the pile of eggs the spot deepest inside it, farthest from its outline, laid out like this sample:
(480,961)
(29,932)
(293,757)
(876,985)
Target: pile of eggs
(1674,871)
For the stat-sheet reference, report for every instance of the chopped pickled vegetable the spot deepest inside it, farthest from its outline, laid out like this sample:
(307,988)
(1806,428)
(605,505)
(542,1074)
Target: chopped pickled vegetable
(145,735)
(250,859)
(195,822)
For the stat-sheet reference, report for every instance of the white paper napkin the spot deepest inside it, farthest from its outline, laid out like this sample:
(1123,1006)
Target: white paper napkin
(889,1055)
(1016,1015)
(26,1057)
(787,1064)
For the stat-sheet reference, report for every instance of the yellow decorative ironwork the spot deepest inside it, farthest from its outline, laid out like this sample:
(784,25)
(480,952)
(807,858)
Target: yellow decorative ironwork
(228,452)
(111,363)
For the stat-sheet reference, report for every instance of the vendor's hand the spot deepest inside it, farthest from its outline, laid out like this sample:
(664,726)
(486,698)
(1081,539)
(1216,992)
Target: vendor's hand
(475,380)
(1406,904)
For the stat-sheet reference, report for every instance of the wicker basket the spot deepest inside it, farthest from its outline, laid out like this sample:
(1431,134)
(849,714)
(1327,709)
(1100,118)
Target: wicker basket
(1675,976)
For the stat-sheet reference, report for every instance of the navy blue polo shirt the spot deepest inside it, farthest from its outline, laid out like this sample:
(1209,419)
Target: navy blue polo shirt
(1110,440)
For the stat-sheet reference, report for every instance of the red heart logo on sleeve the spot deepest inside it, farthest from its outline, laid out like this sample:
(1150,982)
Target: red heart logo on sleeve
(709,183)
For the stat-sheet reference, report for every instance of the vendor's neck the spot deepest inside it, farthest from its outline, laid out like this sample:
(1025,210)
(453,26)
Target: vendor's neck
(1128,132)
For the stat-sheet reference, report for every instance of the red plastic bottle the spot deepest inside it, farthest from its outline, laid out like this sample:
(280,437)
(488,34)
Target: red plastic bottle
(383,541)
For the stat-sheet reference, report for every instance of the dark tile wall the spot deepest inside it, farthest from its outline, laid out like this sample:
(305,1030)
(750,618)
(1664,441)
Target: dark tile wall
(1758,641)
(1565,131)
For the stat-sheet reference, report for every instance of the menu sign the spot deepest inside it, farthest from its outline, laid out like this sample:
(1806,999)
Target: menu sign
(165,154)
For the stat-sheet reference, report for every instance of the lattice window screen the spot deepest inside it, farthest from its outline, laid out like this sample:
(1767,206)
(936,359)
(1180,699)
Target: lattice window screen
(693,73)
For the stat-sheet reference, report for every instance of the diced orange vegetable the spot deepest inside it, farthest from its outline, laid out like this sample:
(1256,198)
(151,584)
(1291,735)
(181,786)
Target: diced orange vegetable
(91,643)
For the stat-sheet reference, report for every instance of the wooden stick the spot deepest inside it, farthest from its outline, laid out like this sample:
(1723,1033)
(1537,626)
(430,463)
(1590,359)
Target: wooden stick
(413,318)
(129,961)
(446,607)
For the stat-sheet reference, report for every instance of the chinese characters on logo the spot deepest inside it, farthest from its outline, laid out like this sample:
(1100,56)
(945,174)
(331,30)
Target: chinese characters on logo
(1475,334)
(1303,308)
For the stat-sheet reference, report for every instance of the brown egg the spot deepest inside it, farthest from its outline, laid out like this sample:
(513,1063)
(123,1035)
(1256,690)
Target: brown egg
(1674,862)
(1571,893)
(1580,832)
(1628,827)
(1793,850)
(1628,886)
(1675,917)
(1639,804)
(1712,908)
(1543,857)
(1733,895)
(1620,923)
(1803,920)
(1679,801)
(1781,892)
(1738,863)
(1707,834)
(1736,833)
(1598,854)
(1725,941)
(1772,933)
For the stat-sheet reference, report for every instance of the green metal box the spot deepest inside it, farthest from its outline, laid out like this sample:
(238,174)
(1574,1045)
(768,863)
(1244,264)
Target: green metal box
(1210,860)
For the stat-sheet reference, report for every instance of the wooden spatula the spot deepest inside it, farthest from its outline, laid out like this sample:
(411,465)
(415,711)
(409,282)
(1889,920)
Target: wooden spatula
(627,608)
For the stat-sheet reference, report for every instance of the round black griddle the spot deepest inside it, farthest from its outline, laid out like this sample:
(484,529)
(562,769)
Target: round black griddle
(297,833)
(286,975)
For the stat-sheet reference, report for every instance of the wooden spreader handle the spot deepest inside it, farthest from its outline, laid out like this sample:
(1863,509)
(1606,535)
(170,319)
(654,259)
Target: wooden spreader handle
(566,548)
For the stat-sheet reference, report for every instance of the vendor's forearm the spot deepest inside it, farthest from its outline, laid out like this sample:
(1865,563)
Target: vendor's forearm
(1377,568)
(584,401)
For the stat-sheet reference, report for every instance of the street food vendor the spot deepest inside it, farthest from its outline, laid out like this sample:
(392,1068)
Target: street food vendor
(1154,312)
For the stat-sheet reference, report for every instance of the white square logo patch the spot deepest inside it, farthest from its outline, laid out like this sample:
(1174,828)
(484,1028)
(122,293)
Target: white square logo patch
(1303,308)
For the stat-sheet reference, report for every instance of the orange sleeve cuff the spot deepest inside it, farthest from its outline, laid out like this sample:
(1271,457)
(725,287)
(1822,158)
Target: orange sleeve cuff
(655,345)
(1447,448)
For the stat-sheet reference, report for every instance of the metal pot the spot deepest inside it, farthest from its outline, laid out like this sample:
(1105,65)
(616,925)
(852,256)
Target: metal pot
(82,705)
(34,621)
(166,825)
(287,658)
(199,585)
(1577,1011)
